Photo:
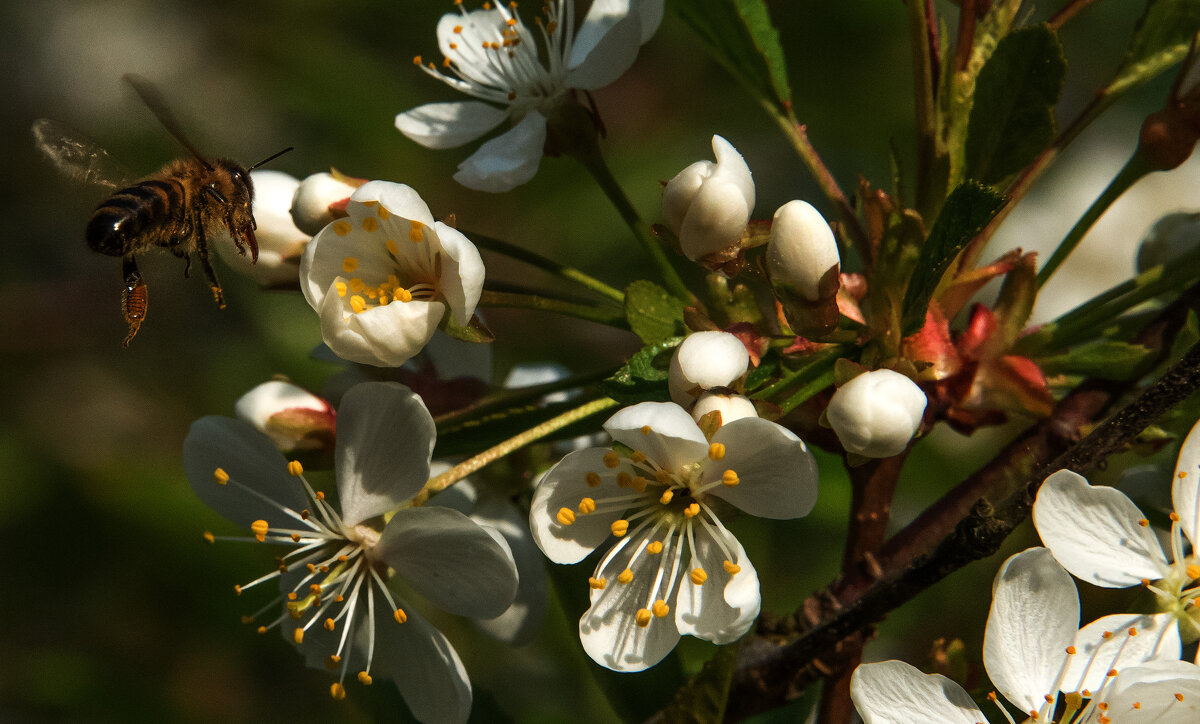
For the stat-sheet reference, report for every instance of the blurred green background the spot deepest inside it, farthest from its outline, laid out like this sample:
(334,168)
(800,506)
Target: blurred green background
(119,611)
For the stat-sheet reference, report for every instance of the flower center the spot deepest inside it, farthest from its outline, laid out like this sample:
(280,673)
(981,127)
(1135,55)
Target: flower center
(411,272)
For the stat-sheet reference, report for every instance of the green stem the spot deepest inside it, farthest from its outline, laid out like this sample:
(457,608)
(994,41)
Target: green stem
(1134,169)
(494,453)
(510,398)
(529,257)
(818,364)
(925,106)
(595,164)
(802,395)
(602,315)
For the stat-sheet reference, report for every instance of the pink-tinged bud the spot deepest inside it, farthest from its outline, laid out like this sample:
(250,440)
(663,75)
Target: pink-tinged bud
(876,413)
(707,205)
(802,255)
(1170,238)
(312,202)
(296,420)
(705,361)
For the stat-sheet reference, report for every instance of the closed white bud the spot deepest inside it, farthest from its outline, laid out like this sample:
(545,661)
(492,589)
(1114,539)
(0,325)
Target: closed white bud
(707,205)
(802,249)
(877,413)
(313,197)
(731,407)
(1171,237)
(704,361)
(280,243)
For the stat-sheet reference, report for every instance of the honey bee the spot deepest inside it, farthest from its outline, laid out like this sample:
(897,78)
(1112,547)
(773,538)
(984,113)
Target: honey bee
(178,208)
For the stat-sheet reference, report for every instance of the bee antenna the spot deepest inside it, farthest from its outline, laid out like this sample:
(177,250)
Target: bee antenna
(272,157)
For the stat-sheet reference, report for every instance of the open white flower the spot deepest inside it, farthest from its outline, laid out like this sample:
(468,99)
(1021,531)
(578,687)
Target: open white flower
(491,55)
(1032,652)
(383,278)
(1102,537)
(336,603)
(674,568)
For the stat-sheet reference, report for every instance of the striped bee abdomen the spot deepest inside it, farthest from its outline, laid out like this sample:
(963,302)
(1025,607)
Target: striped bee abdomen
(143,215)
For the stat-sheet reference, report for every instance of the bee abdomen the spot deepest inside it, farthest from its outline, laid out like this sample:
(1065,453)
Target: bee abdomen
(136,217)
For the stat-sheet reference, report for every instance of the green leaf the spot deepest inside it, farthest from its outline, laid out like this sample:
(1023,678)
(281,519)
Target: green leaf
(739,34)
(702,700)
(644,378)
(1159,41)
(967,210)
(1106,360)
(1012,118)
(653,314)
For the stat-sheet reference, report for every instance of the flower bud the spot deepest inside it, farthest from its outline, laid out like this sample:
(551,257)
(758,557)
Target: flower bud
(802,252)
(296,420)
(731,407)
(1171,237)
(876,413)
(704,361)
(707,205)
(280,243)
(313,198)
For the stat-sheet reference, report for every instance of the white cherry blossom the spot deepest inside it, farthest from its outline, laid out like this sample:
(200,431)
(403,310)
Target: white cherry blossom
(673,567)
(524,76)
(335,603)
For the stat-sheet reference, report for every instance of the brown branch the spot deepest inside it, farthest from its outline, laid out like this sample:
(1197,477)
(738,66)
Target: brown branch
(1067,12)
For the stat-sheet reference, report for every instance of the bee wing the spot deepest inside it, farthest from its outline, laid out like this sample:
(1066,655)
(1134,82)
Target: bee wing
(77,156)
(153,99)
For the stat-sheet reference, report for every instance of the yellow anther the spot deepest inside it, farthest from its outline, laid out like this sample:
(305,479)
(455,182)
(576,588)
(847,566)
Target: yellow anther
(364,678)
(716,451)
(639,484)
(237,589)
(729,479)
(1111,673)
(400,615)
(403,295)
(320,495)
(392,247)
(510,22)
(692,510)
(655,547)
(1106,635)
(1174,517)
(732,568)
(370,224)
(341,288)
(414,232)
(642,617)
(624,480)
(417,60)
(1193,571)
(611,459)
(662,477)
(1143,522)
(619,527)
(587,505)
(332,661)
(358,304)
(565,516)
(328,624)
(698,576)
(291,596)
(1179,696)
(666,497)
(356,285)
(220,477)
(1071,650)
(337,691)
(312,567)
(625,576)
(261,630)
(1133,631)
(645,429)
(660,608)
(298,636)
(260,528)
(458,28)
(295,469)
(1145,581)
(638,457)
(597,584)
(209,537)
(342,227)
(592,479)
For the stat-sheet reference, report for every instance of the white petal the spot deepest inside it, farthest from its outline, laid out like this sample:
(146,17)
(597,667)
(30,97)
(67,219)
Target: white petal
(715,220)
(399,199)
(250,459)
(732,167)
(449,125)
(705,360)
(1185,486)
(1157,638)
(1094,532)
(776,472)
(449,559)
(722,608)
(1033,619)
(385,336)
(259,404)
(508,160)
(1158,692)
(664,431)
(424,667)
(462,272)
(564,486)
(893,692)
(385,438)
(523,619)
(606,45)
(731,407)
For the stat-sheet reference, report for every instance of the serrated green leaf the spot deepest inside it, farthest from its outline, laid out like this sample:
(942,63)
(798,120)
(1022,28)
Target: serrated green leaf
(1106,360)
(967,210)
(1159,41)
(703,699)
(740,36)
(644,378)
(1012,117)
(653,314)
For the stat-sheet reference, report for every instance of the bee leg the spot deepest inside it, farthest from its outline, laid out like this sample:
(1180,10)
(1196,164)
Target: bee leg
(209,272)
(135,299)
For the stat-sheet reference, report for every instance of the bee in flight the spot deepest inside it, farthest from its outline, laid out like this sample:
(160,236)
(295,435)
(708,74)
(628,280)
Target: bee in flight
(179,208)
